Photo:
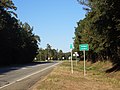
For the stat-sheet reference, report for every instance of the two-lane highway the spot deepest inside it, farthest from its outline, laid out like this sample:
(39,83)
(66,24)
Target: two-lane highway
(23,77)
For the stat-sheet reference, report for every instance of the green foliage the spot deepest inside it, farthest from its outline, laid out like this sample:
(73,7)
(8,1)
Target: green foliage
(18,43)
(100,29)
(47,53)
(51,54)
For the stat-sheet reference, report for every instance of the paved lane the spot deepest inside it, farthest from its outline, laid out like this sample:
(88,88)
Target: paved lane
(12,75)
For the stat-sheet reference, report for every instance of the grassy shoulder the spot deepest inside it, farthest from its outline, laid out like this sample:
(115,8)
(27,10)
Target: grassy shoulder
(61,78)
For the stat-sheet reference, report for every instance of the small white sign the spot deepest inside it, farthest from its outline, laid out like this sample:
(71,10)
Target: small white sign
(77,54)
(74,55)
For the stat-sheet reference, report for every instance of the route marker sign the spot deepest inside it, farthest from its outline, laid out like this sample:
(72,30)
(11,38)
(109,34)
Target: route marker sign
(84,47)
(71,46)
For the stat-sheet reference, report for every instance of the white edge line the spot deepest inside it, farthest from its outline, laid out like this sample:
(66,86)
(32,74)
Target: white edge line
(29,75)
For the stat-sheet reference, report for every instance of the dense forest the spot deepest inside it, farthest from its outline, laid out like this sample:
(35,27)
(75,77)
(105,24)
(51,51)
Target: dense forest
(101,30)
(50,53)
(17,42)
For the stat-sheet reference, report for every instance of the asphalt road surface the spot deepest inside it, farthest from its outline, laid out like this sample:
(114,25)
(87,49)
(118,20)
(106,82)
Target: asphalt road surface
(23,77)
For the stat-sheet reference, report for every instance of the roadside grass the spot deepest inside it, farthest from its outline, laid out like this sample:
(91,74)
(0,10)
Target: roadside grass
(61,77)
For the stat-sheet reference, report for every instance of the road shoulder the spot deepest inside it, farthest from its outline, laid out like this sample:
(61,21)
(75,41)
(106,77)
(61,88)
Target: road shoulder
(61,78)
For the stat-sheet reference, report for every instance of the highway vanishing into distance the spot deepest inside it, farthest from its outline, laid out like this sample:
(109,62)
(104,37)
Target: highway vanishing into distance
(24,76)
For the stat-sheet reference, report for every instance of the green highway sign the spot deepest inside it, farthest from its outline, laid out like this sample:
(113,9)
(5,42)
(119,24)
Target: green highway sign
(84,47)
(71,46)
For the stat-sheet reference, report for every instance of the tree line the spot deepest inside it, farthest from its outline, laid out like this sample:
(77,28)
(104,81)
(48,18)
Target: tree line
(100,29)
(50,53)
(17,42)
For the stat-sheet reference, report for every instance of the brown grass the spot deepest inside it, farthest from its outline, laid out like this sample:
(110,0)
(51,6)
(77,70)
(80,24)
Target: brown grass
(61,78)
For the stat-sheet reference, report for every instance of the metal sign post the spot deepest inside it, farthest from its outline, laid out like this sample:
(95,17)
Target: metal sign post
(71,62)
(84,63)
(71,47)
(76,55)
(76,60)
(84,47)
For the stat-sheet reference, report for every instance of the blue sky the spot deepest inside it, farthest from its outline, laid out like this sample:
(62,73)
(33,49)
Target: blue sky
(53,20)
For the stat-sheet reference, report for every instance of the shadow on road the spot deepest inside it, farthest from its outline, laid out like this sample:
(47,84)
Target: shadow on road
(6,69)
